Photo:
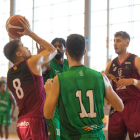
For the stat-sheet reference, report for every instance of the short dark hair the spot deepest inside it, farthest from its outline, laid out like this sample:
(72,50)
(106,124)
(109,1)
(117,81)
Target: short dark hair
(75,45)
(2,82)
(61,40)
(10,50)
(123,34)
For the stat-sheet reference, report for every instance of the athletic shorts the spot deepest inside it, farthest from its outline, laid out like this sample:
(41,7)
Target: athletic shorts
(32,129)
(53,129)
(5,118)
(63,135)
(126,121)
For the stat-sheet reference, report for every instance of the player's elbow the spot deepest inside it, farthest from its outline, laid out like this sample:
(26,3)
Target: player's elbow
(47,114)
(120,107)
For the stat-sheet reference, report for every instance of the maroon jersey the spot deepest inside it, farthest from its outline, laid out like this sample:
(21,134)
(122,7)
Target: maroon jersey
(126,69)
(27,88)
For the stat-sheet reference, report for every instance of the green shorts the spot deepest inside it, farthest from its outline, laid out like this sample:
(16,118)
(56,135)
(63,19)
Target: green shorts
(63,135)
(53,129)
(5,118)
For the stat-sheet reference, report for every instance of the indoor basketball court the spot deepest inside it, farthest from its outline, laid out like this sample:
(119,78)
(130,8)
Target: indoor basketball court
(98,21)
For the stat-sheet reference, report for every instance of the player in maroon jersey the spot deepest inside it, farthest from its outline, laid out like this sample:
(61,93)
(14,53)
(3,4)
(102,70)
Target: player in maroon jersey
(25,81)
(126,69)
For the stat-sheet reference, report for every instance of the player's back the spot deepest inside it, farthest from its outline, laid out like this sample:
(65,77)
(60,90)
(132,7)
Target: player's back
(81,101)
(27,89)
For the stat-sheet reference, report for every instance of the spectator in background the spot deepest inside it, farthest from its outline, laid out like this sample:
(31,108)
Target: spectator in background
(2,79)
(6,101)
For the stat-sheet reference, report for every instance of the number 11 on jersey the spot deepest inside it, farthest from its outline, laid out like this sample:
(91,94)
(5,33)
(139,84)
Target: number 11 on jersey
(92,113)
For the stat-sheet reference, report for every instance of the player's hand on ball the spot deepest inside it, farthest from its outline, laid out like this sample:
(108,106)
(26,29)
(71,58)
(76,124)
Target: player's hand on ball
(47,85)
(124,82)
(111,77)
(26,25)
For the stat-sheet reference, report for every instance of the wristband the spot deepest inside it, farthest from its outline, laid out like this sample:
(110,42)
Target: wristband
(135,82)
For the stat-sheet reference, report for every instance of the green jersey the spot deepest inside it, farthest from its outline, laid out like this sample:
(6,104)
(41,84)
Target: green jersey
(5,103)
(55,69)
(55,130)
(81,101)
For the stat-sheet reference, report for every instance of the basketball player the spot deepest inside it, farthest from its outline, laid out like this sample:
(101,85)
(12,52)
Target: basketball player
(6,101)
(25,81)
(2,80)
(126,69)
(80,94)
(57,65)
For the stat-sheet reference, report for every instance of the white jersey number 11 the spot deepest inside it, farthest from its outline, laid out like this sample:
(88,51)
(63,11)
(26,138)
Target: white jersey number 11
(92,113)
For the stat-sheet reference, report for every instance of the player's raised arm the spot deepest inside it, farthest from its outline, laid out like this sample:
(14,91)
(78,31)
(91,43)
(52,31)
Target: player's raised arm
(36,61)
(111,96)
(40,41)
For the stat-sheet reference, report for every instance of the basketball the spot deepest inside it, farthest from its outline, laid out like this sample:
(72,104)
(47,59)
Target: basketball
(13,26)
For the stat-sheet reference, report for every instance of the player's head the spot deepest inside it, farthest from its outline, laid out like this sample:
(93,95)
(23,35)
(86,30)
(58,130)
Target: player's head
(3,86)
(121,41)
(75,46)
(15,51)
(59,44)
(2,78)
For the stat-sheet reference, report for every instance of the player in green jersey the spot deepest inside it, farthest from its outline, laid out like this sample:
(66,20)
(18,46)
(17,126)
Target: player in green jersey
(2,80)
(6,101)
(79,93)
(57,65)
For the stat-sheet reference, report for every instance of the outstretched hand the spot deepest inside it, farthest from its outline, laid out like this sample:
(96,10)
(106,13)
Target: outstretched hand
(26,25)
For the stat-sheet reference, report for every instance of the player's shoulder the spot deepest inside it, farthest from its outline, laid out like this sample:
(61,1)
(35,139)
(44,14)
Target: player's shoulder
(109,64)
(33,58)
(93,72)
(15,68)
(105,79)
(7,93)
(137,60)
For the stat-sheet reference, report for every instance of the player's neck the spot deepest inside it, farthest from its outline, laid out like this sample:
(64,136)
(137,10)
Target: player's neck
(19,61)
(3,92)
(74,63)
(60,61)
(122,56)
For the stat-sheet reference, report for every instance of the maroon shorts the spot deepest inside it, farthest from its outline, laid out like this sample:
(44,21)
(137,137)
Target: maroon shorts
(126,121)
(32,129)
